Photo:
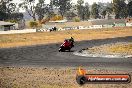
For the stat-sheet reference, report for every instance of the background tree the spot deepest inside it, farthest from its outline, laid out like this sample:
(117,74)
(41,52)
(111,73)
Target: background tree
(50,11)
(105,9)
(103,13)
(70,15)
(86,11)
(62,5)
(129,8)
(3,15)
(102,9)
(95,11)
(30,7)
(109,11)
(41,9)
(15,17)
(6,8)
(56,17)
(80,9)
(76,19)
(120,9)
(124,9)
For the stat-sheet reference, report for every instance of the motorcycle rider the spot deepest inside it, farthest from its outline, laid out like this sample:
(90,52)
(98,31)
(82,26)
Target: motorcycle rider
(66,43)
(72,41)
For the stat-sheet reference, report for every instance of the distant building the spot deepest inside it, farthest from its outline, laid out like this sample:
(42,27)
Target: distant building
(106,21)
(5,26)
(65,24)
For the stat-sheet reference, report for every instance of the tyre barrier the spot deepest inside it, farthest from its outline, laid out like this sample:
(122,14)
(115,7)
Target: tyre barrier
(42,30)
(81,79)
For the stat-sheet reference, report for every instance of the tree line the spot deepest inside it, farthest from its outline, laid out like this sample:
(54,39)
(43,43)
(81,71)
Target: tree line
(65,8)
(8,11)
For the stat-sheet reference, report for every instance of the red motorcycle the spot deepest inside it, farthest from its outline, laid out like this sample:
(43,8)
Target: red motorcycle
(67,45)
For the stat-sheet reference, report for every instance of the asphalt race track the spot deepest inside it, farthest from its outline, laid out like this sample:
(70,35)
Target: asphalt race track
(48,55)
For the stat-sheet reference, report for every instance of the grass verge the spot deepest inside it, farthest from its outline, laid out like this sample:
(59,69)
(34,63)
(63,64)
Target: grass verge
(31,77)
(15,40)
(121,48)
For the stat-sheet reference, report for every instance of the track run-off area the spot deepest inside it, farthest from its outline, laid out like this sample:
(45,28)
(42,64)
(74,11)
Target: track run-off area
(48,56)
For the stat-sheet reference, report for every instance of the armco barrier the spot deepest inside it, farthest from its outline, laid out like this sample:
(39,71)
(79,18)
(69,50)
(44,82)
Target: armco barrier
(82,27)
(18,31)
(108,26)
(60,29)
(120,25)
(128,24)
(48,30)
(95,26)
(42,30)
